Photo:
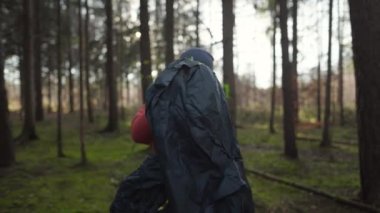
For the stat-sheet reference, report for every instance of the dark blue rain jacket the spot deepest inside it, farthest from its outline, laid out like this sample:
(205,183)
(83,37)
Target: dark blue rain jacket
(198,166)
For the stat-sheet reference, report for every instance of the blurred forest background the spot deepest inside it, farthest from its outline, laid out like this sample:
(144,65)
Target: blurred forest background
(301,77)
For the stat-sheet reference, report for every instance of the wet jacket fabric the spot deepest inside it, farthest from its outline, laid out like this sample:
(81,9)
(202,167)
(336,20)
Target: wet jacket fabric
(143,191)
(197,155)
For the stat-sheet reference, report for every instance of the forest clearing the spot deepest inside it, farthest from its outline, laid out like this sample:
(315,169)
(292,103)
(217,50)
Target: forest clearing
(163,106)
(40,182)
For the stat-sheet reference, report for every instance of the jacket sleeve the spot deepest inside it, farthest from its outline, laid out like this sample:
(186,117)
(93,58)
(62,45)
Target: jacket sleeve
(141,131)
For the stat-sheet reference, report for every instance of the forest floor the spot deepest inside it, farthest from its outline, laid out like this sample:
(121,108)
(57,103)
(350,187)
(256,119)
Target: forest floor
(41,182)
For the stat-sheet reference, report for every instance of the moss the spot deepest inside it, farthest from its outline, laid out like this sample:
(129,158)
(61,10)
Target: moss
(41,182)
(334,170)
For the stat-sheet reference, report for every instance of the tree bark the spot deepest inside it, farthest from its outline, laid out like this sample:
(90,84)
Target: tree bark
(59,77)
(295,60)
(128,98)
(145,55)
(169,31)
(197,23)
(318,101)
(273,93)
(319,108)
(120,60)
(28,130)
(20,53)
(159,32)
(340,68)
(326,140)
(287,87)
(90,113)
(70,58)
(113,119)
(50,72)
(81,110)
(37,64)
(7,156)
(365,19)
(228,56)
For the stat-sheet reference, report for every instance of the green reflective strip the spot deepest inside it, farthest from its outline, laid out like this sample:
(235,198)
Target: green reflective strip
(227,90)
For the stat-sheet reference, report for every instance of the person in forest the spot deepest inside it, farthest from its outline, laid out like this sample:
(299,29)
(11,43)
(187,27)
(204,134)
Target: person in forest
(196,165)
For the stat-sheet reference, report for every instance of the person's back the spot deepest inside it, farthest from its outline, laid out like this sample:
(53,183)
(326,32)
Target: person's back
(195,142)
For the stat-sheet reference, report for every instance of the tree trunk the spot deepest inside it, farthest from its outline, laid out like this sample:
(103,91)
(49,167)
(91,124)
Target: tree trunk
(318,101)
(113,119)
(365,19)
(121,97)
(120,60)
(128,98)
(81,110)
(326,140)
(197,23)
(273,94)
(145,56)
(287,87)
(340,86)
(87,65)
(59,77)
(295,60)
(70,59)
(20,53)
(28,129)
(340,68)
(169,31)
(159,32)
(7,156)
(319,110)
(37,64)
(228,56)
(105,96)
(51,69)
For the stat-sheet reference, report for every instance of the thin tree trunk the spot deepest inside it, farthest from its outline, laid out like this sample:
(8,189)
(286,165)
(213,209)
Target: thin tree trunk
(319,65)
(37,64)
(81,110)
(120,61)
(287,87)
(273,94)
(70,58)
(59,76)
(128,98)
(50,72)
(121,97)
(159,33)
(105,95)
(295,60)
(145,55)
(319,110)
(7,156)
(340,68)
(28,129)
(333,103)
(113,119)
(90,113)
(22,87)
(340,86)
(228,57)
(197,23)
(326,140)
(365,19)
(169,31)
